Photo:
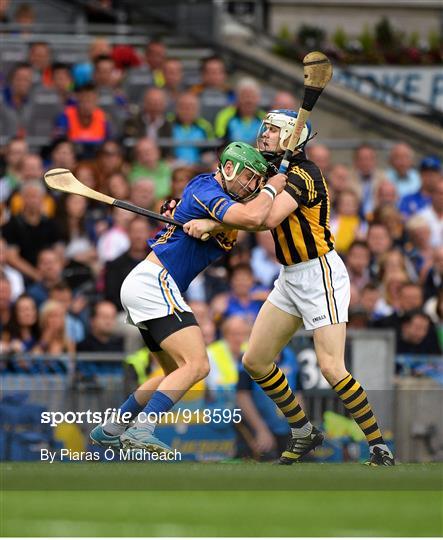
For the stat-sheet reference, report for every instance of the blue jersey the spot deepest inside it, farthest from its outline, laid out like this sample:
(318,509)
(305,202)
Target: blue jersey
(182,255)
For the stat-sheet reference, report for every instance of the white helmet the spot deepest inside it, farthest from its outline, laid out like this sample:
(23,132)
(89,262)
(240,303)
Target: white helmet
(284,119)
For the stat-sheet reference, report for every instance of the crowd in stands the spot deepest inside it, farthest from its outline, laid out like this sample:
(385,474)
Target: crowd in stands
(137,127)
(133,127)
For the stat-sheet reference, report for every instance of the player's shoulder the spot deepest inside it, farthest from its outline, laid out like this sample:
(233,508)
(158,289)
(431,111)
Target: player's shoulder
(301,166)
(204,183)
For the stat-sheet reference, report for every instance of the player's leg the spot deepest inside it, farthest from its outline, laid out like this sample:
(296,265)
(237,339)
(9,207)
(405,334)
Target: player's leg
(329,342)
(187,349)
(272,330)
(108,433)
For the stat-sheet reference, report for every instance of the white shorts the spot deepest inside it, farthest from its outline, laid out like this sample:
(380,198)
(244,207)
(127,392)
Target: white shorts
(317,291)
(149,292)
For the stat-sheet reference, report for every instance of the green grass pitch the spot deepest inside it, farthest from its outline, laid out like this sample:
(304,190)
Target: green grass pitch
(223,499)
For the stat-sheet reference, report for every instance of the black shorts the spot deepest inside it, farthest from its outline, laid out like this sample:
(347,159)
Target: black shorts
(160,329)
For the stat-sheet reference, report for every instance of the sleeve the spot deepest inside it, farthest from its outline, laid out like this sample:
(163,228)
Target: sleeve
(301,186)
(244,381)
(213,202)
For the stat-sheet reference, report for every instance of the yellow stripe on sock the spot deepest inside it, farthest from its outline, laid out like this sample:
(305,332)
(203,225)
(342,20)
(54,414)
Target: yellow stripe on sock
(351,391)
(342,383)
(284,397)
(360,398)
(296,417)
(271,381)
(276,390)
(368,423)
(372,436)
(365,409)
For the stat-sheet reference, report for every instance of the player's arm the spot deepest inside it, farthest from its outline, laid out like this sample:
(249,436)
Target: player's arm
(249,216)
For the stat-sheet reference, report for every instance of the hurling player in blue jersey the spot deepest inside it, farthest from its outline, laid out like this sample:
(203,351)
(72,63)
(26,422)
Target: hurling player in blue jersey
(151,294)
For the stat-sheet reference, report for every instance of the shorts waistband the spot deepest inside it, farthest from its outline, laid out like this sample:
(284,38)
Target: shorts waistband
(307,264)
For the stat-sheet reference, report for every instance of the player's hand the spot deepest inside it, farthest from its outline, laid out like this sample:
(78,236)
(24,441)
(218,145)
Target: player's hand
(198,227)
(278,181)
(168,207)
(264,441)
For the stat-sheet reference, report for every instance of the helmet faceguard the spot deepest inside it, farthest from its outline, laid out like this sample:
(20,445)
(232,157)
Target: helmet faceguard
(285,120)
(249,171)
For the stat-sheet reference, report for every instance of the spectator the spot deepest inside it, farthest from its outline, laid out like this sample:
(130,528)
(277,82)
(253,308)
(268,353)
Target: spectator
(148,164)
(53,336)
(143,193)
(264,262)
(117,269)
(433,282)
(385,195)
(114,242)
(241,122)
(434,214)
(188,129)
(63,83)
(365,176)
(14,153)
(179,180)
(418,247)
(16,97)
(417,335)
(155,57)
(75,329)
(394,260)
(40,59)
(389,216)
(244,299)
(369,298)
(345,223)
(390,303)
(50,269)
(30,231)
(321,156)
(401,171)
(174,83)
(4,7)
(31,170)
(409,297)
(71,223)
(101,337)
(118,186)
(84,123)
(284,100)
(225,354)
(63,155)
(430,172)
(111,97)
(83,71)
(434,309)
(5,300)
(151,121)
(25,17)
(213,91)
(22,332)
(338,181)
(14,277)
(357,263)
(379,241)
(109,160)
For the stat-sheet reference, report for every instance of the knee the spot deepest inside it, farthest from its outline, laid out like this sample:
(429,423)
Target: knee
(253,366)
(332,372)
(200,369)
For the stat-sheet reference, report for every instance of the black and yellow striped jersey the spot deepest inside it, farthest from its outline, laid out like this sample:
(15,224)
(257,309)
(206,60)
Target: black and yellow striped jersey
(305,234)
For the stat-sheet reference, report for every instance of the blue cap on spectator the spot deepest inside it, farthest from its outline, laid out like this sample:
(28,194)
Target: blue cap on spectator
(430,163)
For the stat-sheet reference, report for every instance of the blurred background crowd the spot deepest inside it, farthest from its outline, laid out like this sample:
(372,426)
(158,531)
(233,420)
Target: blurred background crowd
(133,123)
